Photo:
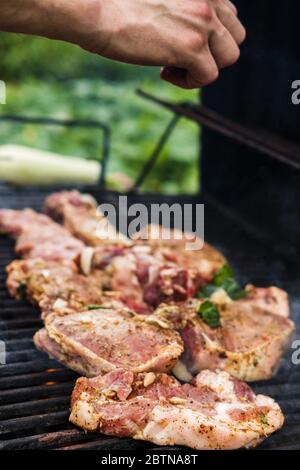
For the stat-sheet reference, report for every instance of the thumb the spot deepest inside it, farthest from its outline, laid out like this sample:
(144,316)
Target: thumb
(176,76)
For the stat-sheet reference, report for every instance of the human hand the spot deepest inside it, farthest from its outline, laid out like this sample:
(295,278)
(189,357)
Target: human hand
(191,39)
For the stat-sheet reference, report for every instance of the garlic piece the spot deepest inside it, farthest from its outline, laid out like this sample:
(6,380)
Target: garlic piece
(59,303)
(220,297)
(177,401)
(86,258)
(149,379)
(181,373)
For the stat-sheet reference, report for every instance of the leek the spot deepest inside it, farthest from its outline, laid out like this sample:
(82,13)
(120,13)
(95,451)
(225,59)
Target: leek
(23,165)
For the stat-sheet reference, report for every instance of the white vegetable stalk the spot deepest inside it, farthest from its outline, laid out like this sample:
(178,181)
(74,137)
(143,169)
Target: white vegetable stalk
(24,165)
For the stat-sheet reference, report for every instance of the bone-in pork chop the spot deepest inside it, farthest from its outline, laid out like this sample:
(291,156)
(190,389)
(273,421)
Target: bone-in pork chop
(38,236)
(248,343)
(214,412)
(100,340)
(56,286)
(79,213)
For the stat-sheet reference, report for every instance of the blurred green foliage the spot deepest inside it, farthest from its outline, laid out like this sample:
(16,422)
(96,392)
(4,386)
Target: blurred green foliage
(49,78)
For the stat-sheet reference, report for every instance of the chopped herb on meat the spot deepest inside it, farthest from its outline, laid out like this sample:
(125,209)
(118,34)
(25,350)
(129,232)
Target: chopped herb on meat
(226,272)
(95,307)
(210,314)
(206,291)
(263,420)
(223,279)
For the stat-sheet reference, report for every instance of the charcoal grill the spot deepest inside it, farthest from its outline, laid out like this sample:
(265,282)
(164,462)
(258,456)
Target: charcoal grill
(35,391)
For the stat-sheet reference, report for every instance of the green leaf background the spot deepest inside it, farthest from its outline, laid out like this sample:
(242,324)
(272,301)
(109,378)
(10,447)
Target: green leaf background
(54,79)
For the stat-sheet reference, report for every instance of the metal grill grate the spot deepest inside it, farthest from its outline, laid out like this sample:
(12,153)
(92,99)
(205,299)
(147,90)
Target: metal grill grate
(35,391)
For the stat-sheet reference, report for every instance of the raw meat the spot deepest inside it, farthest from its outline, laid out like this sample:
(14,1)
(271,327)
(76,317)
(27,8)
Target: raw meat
(98,341)
(214,412)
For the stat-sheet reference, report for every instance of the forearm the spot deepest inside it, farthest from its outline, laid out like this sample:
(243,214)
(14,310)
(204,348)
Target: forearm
(191,39)
(55,19)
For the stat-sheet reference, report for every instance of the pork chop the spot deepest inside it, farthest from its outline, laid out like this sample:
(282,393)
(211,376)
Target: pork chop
(271,299)
(203,261)
(214,412)
(146,279)
(248,343)
(80,214)
(147,273)
(57,286)
(98,341)
(38,236)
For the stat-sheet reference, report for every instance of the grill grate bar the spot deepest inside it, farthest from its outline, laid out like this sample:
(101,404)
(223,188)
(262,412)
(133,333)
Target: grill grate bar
(10,304)
(32,422)
(30,366)
(23,355)
(288,437)
(293,418)
(48,440)
(286,446)
(15,324)
(15,345)
(290,406)
(287,391)
(34,407)
(49,389)
(36,378)
(109,444)
(22,309)
(20,333)
(15,315)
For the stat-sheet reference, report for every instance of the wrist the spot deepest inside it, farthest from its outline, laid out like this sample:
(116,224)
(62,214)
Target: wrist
(72,20)
(69,20)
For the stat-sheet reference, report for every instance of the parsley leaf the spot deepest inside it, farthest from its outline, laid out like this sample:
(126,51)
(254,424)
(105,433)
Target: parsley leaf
(222,275)
(206,291)
(210,314)
(233,289)
(223,279)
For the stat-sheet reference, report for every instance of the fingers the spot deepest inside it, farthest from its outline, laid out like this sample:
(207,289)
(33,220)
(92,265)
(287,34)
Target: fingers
(174,75)
(203,71)
(231,6)
(229,19)
(223,47)
(214,46)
